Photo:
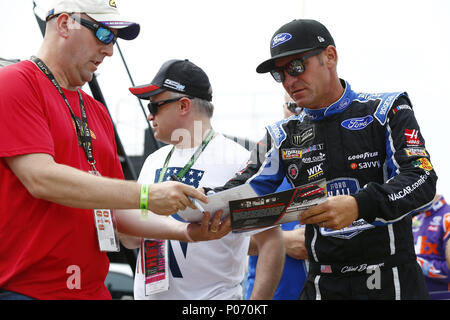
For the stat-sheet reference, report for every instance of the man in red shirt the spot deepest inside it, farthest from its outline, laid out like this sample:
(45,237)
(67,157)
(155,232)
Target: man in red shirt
(58,162)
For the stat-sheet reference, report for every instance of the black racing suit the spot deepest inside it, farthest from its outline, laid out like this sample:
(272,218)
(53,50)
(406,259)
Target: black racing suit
(368,146)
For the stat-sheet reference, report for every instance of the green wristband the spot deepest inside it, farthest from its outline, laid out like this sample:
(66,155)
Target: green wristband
(143,203)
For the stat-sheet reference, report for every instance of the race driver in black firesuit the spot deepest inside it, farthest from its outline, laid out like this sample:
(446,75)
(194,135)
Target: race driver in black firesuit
(371,152)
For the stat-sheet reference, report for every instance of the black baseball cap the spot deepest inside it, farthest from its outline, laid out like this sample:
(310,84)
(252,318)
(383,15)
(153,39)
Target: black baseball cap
(296,37)
(178,76)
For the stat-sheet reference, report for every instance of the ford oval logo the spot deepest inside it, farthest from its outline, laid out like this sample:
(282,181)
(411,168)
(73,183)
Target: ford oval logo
(357,123)
(280,39)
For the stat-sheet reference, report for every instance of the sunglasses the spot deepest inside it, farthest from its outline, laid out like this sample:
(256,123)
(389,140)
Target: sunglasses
(294,67)
(153,106)
(292,107)
(102,33)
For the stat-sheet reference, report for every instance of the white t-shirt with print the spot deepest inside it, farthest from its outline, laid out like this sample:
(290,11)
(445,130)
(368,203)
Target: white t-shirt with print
(209,269)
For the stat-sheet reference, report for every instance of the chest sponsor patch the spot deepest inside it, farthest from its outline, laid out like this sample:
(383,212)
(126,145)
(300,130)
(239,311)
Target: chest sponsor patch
(318,158)
(362,156)
(297,153)
(436,221)
(365,165)
(292,171)
(425,246)
(287,154)
(357,123)
(302,137)
(315,171)
(342,186)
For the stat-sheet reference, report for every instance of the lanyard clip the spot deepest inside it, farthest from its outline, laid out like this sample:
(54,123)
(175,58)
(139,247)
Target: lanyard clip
(94,169)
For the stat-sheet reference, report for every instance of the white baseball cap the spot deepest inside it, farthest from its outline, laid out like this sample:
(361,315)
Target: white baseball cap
(102,11)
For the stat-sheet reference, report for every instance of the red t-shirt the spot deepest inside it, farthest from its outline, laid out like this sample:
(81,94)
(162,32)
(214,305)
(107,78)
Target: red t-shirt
(49,251)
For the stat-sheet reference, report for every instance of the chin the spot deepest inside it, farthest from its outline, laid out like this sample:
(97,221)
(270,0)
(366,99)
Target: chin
(87,77)
(158,137)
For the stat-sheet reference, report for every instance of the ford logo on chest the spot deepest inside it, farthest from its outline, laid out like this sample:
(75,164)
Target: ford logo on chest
(357,123)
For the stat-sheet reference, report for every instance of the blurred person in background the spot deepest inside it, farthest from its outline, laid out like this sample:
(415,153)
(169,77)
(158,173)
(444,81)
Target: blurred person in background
(431,230)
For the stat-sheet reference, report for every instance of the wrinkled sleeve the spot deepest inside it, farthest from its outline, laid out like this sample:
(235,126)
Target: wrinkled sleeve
(410,180)
(264,170)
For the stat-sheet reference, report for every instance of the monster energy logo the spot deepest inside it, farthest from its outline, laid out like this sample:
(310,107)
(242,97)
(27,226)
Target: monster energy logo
(301,138)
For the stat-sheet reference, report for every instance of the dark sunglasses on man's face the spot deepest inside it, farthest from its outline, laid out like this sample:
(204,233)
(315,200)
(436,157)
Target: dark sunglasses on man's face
(153,106)
(294,67)
(292,107)
(102,33)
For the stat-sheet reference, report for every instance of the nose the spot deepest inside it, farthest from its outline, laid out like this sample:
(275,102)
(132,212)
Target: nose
(150,117)
(108,49)
(288,79)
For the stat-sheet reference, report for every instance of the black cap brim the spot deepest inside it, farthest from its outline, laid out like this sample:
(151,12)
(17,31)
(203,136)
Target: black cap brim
(269,65)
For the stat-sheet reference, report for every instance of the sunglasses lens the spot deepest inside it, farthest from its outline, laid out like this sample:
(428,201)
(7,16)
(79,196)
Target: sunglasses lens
(104,35)
(295,67)
(152,108)
(277,75)
(291,106)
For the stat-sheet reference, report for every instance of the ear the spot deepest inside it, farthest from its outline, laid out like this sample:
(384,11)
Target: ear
(330,53)
(64,24)
(185,106)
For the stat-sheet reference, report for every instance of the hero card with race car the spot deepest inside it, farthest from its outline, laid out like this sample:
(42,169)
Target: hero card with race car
(276,208)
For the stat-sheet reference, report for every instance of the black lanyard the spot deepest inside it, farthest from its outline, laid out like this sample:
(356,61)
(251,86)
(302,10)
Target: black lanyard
(191,161)
(81,125)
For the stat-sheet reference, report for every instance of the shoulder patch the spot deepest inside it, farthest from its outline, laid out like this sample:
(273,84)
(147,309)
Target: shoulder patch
(276,129)
(386,100)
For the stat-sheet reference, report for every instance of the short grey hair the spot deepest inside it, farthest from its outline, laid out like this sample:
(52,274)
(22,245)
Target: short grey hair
(203,106)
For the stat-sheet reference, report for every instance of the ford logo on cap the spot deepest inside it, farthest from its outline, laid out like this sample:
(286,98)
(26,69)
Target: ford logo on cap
(280,39)
(357,123)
